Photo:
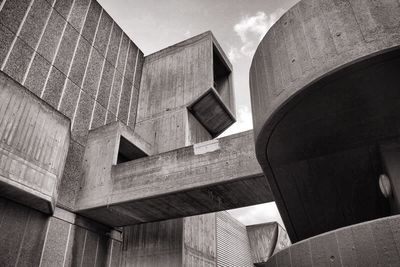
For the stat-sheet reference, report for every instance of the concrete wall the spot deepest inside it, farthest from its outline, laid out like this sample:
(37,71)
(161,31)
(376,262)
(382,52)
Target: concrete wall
(156,244)
(186,241)
(214,239)
(34,141)
(31,238)
(199,240)
(76,58)
(72,55)
(372,243)
(172,79)
(233,247)
(266,239)
(314,86)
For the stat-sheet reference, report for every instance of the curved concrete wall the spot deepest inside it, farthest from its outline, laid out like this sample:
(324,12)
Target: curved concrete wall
(313,40)
(373,243)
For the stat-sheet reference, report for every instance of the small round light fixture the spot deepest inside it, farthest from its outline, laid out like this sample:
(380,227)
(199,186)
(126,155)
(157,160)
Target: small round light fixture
(385,185)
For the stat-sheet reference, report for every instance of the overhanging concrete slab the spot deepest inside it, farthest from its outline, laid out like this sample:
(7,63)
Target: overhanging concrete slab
(211,176)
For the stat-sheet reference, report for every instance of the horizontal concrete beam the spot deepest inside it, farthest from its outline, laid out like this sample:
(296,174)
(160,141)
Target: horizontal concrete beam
(214,175)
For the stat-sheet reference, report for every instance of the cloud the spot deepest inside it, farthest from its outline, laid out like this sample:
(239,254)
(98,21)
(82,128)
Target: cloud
(244,121)
(251,29)
(233,54)
(262,213)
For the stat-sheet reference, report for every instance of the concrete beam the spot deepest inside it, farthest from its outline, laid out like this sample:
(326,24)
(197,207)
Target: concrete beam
(211,176)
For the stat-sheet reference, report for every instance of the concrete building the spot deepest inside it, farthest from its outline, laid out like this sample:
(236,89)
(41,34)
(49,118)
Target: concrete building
(96,138)
(214,239)
(108,157)
(324,98)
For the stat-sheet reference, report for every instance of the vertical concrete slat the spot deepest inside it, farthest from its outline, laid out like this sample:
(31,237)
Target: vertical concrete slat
(111,96)
(78,7)
(54,43)
(87,22)
(56,243)
(33,241)
(11,230)
(78,247)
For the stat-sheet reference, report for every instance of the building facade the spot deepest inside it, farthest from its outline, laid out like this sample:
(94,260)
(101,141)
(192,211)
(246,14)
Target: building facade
(96,137)
(324,98)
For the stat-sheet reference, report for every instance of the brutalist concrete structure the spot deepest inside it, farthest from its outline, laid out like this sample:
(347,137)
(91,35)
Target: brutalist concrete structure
(324,86)
(95,137)
(214,239)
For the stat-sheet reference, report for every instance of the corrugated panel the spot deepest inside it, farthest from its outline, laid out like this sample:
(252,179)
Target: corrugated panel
(233,248)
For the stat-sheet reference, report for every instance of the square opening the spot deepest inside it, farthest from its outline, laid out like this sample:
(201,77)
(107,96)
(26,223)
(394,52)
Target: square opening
(128,151)
(221,75)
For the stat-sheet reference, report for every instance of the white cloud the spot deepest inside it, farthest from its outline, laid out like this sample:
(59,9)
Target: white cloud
(244,121)
(263,213)
(233,54)
(251,29)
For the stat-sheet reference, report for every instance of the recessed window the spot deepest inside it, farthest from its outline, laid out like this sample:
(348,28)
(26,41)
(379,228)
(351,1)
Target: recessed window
(128,151)
(221,74)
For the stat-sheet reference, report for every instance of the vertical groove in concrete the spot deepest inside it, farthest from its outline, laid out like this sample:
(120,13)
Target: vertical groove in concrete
(37,45)
(2,4)
(45,241)
(110,255)
(23,236)
(57,49)
(97,250)
(113,78)
(101,74)
(83,248)
(16,35)
(123,80)
(87,65)
(73,56)
(133,87)
(66,247)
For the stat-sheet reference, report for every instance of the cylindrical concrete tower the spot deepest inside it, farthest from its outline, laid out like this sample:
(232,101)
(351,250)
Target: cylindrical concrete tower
(325,96)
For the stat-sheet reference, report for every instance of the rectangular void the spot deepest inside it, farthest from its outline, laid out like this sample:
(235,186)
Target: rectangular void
(212,113)
(221,75)
(128,151)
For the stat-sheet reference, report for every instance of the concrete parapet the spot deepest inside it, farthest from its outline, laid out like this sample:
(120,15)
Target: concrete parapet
(372,243)
(324,89)
(33,147)
(210,176)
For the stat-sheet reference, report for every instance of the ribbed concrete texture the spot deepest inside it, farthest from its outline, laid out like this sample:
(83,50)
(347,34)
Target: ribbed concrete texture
(31,238)
(233,244)
(324,89)
(266,239)
(215,239)
(206,177)
(77,59)
(372,243)
(34,140)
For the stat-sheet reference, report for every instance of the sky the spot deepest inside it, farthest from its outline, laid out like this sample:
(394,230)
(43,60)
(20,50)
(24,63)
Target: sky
(238,26)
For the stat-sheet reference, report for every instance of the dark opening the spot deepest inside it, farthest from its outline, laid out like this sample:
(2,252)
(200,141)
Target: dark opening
(128,151)
(221,75)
